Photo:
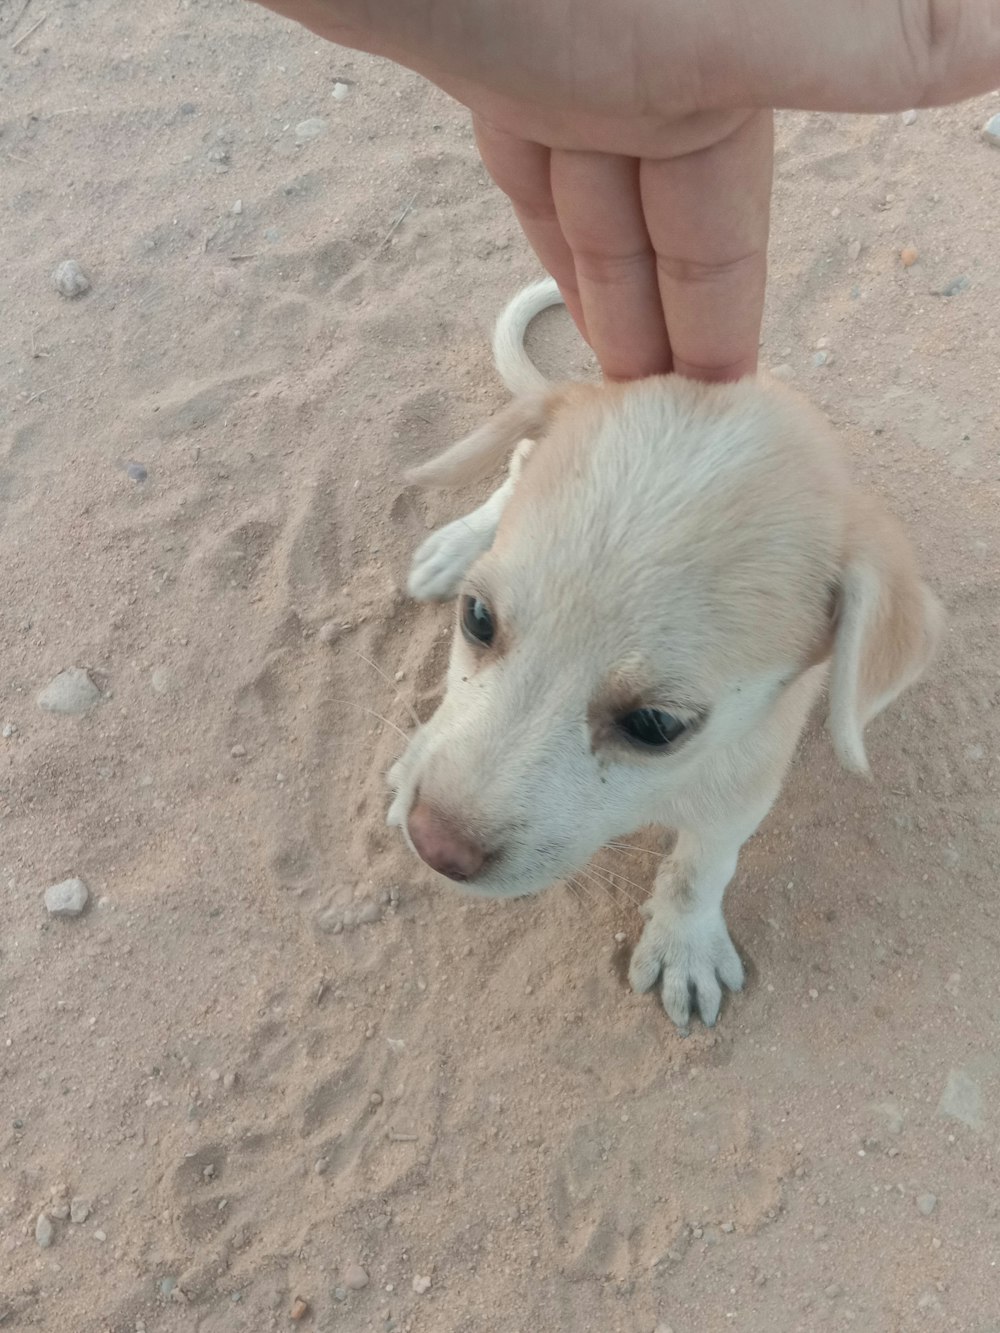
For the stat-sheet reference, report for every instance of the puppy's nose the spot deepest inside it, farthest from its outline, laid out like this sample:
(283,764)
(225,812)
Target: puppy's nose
(441,845)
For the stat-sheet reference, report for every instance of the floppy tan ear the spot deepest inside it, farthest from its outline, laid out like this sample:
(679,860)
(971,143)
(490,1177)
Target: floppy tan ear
(478,453)
(888,624)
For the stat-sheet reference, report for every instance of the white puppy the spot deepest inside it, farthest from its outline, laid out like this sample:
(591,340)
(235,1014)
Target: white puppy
(647,609)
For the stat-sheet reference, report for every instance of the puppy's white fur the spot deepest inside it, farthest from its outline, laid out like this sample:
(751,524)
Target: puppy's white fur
(696,549)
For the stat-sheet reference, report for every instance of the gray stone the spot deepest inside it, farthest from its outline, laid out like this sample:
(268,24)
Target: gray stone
(69,279)
(962,1099)
(355,1277)
(71,692)
(909,117)
(991,130)
(44,1231)
(68,898)
(79,1211)
(926,1203)
(310,129)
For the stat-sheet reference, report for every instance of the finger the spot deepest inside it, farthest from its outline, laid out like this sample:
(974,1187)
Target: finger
(707,215)
(599,209)
(521,170)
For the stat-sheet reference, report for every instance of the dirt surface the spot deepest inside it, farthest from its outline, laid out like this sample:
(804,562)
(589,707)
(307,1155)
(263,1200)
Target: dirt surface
(272,1058)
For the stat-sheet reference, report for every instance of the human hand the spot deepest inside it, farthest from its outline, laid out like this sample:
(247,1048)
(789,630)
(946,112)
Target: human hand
(634,137)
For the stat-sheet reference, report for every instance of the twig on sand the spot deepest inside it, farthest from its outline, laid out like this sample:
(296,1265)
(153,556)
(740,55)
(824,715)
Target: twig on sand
(25,35)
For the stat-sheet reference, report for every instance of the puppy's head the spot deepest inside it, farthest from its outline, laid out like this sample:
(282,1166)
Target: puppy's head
(673,559)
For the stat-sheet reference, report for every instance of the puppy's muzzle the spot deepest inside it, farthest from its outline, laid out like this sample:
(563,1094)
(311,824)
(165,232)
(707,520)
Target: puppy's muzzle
(442,846)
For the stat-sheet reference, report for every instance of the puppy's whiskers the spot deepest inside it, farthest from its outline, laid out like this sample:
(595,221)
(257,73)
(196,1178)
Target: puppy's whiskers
(349,703)
(612,885)
(391,683)
(630,847)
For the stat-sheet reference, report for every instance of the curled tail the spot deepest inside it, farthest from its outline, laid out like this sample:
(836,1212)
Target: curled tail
(509,353)
(470,458)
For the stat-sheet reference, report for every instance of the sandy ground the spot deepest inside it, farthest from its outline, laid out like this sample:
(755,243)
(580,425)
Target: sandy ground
(260,1100)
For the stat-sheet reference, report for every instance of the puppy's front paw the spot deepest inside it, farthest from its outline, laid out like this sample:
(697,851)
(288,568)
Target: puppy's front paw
(441,561)
(690,956)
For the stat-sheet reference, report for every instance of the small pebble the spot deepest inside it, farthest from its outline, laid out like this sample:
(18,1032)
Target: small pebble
(66,899)
(340,90)
(237,208)
(229,1081)
(322,1167)
(962,1099)
(620,937)
(136,472)
(926,1203)
(329,632)
(952,288)
(909,117)
(375,1099)
(854,250)
(44,1231)
(909,255)
(309,129)
(9,730)
(161,679)
(60,1211)
(729,1227)
(421,1284)
(69,279)
(822,358)
(300,1308)
(79,1211)
(100,1236)
(355,1277)
(71,692)
(188,108)
(239,751)
(833,1291)
(991,130)
(167,1285)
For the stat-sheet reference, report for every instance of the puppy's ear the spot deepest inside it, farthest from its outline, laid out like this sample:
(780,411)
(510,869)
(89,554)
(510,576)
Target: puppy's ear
(887,625)
(480,452)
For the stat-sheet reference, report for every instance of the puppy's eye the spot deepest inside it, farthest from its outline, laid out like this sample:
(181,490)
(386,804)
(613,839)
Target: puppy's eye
(477,621)
(651,728)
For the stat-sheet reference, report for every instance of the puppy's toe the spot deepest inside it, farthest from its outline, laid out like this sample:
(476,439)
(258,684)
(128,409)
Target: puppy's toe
(693,961)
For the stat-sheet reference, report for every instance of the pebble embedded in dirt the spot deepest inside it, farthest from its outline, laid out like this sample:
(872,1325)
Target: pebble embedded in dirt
(69,279)
(355,1277)
(909,117)
(421,1285)
(854,250)
(79,1211)
(309,129)
(67,898)
(340,90)
(329,632)
(962,1099)
(59,1211)
(44,1231)
(300,1308)
(137,472)
(71,692)
(9,730)
(926,1203)
(909,255)
(991,130)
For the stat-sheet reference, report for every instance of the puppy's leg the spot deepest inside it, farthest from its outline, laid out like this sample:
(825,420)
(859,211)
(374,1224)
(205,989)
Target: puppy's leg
(685,944)
(441,561)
